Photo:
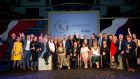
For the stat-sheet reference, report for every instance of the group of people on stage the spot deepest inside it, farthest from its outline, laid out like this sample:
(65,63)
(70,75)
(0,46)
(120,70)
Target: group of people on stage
(101,50)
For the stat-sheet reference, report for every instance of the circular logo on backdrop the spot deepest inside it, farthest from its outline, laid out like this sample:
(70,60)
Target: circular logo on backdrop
(61,26)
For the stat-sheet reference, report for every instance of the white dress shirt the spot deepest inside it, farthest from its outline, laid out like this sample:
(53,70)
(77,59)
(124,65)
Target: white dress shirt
(52,47)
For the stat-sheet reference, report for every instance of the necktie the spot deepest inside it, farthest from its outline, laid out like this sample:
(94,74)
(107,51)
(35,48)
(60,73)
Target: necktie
(120,45)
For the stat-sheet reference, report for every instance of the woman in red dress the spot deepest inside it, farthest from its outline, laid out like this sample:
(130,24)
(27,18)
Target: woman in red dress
(113,49)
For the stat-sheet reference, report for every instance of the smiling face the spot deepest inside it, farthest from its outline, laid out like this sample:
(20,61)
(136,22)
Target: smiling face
(13,36)
(61,44)
(35,38)
(129,38)
(28,37)
(18,39)
(120,37)
(45,40)
(110,37)
(84,45)
(104,43)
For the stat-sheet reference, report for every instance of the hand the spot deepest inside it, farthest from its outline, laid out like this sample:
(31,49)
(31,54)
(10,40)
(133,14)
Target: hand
(79,45)
(122,52)
(128,46)
(128,28)
(22,56)
(74,54)
(75,50)
(33,47)
(104,53)
(37,50)
(127,51)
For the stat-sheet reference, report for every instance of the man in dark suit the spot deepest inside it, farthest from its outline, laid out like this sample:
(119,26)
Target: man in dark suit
(106,38)
(10,42)
(27,52)
(121,47)
(68,44)
(100,40)
(93,37)
(79,40)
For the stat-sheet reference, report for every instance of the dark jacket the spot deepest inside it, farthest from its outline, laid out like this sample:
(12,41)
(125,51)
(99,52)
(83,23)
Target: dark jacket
(132,52)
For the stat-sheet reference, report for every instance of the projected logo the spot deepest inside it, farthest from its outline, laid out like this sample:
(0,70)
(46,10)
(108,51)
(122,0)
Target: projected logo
(61,26)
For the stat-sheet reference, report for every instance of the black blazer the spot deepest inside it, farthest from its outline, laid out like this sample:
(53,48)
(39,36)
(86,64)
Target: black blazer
(132,52)
(10,43)
(79,41)
(123,45)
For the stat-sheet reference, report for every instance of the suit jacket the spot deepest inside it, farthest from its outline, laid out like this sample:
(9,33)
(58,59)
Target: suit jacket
(123,45)
(87,42)
(132,52)
(99,39)
(106,50)
(34,44)
(90,44)
(10,43)
(68,46)
(78,40)
(24,44)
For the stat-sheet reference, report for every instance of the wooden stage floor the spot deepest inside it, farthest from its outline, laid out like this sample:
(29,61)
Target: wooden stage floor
(92,73)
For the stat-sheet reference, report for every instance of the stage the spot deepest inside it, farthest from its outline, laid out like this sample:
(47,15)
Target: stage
(92,73)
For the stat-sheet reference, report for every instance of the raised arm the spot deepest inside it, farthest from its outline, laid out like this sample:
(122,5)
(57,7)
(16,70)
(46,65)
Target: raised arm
(74,37)
(129,32)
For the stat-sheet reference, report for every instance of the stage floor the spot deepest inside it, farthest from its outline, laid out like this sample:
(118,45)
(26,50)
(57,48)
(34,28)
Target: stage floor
(73,74)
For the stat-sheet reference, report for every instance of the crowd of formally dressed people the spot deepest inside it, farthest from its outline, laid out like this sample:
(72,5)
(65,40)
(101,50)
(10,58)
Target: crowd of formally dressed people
(74,51)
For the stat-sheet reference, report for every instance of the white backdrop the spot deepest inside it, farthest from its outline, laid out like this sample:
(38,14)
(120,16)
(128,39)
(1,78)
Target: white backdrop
(69,22)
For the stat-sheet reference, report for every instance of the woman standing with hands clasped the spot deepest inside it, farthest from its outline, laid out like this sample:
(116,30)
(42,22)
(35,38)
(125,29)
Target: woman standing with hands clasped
(17,53)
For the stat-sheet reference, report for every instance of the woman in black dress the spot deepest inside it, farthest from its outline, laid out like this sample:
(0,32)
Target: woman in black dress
(34,53)
(105,54)
(137,41)
(131,54)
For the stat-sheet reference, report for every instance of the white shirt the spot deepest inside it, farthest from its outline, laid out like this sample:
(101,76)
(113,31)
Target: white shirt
(52,47)
(85,40)
(95,51)
(64,42)
(28,45)
(84,50)
(120,42)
